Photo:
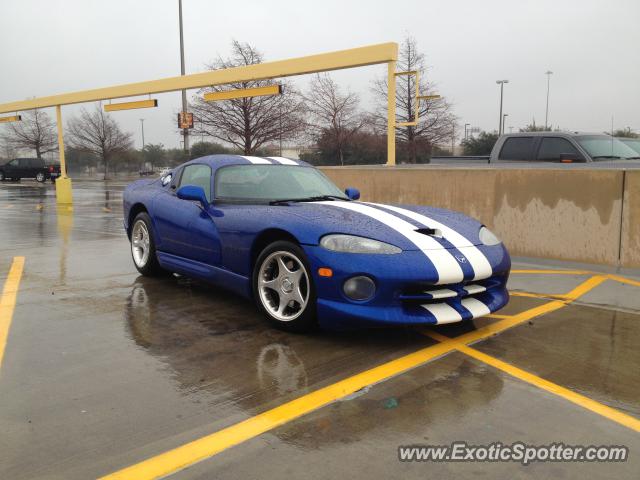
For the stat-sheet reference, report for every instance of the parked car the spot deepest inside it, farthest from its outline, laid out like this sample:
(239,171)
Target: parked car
(633,143)
(280,231)
(561,147)
(37,168)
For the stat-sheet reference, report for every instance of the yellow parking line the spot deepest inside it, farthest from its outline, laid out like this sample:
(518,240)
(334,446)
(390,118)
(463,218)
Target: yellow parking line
(8,301)
(553,272)
(498,316)
(584,287)
(580,400)
(181,457)
(618,278)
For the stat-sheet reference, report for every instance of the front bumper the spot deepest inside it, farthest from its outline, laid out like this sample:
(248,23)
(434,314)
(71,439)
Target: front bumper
(402,281)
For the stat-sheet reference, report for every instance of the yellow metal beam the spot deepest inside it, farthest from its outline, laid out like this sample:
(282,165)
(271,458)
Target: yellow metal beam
(14,118)
(391,113)
(428,97)
(113,107)
(354,57)
(243,93)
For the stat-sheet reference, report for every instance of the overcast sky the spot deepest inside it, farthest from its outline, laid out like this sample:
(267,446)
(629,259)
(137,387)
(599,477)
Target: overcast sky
(593,48)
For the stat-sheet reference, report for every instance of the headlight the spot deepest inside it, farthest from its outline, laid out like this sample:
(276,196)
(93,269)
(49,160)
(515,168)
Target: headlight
(353,244)
(488,237)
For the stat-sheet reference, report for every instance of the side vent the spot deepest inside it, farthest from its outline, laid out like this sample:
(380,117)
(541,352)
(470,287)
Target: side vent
(432,232)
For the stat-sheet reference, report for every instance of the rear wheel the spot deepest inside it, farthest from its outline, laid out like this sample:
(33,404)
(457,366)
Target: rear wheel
(40,177)
(283,287)
(143,247)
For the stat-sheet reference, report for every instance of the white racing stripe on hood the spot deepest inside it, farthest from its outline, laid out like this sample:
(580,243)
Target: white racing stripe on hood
(443,313)
(481,266)
(257,160)
(283,161)
(446,265)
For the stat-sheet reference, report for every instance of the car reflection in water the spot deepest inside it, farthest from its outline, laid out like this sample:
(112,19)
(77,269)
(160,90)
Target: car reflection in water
(214,343)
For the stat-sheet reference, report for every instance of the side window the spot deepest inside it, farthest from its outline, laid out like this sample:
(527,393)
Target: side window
(516,148)
(199,175)
(25,163)
(551,148)
(13,163)
(35,163)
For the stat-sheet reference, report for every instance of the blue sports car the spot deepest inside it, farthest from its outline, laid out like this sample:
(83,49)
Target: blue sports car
(279,231)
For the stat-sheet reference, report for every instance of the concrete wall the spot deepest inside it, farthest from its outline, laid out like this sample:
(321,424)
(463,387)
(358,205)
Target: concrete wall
(575,215)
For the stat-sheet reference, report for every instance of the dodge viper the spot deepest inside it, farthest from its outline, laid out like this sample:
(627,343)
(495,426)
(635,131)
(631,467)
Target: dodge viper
(279,231)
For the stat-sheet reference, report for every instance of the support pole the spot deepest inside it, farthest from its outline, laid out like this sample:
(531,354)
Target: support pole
(391,113)
(63,182)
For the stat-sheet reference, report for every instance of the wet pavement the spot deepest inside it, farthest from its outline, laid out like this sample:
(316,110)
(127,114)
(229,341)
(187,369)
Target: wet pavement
(104,368)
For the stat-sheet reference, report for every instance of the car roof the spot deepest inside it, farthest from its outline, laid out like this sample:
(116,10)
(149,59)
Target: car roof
(222,160)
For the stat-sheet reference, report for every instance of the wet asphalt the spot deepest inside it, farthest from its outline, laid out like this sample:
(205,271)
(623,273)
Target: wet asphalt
(104,368)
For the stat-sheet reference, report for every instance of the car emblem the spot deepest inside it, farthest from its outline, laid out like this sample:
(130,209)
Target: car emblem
(461,258)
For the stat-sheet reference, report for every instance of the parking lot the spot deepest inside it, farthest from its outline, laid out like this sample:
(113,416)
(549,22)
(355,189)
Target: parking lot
(109,374)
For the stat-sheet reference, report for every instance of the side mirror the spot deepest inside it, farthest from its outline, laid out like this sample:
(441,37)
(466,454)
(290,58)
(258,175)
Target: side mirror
(352,193)
(571,158)
(193,192)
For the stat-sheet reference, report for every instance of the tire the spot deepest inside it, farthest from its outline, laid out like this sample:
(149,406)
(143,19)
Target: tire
(40,177)
(143,248)
(288,300)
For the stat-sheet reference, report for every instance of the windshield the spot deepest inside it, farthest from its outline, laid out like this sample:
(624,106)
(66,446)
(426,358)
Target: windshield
(634,143)
(601,147)
(272,182)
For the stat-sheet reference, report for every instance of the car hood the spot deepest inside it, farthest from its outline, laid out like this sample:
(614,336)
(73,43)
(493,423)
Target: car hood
(400,225)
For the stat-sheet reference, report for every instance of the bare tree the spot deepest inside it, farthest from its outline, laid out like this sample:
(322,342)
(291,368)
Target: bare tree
(334,115)
(248,123)
(436,120)
(97,133)
(36,132)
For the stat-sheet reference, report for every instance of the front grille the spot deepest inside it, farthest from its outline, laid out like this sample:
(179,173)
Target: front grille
(439,293)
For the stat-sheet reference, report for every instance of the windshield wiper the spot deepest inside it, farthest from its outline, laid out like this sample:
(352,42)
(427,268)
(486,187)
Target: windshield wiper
(317,198)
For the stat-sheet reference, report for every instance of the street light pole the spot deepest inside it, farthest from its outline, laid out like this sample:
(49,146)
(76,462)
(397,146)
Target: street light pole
(501,83)
(465,130)
(504,121)
(142,125)
(548,73)
(185,131)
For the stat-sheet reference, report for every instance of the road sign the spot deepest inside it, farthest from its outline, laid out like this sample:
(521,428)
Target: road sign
(185,120)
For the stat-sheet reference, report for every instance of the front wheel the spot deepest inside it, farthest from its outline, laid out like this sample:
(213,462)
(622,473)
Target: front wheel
(143,247)
(283,287)
(40,177)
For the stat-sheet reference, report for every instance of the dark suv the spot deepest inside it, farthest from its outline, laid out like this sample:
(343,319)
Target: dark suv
(562,147)
(29,168)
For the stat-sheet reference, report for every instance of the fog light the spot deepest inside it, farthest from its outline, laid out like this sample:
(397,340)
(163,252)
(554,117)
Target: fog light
(359,288)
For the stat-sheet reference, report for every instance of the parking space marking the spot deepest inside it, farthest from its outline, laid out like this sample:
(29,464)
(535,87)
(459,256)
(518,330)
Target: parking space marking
(554,272)
(580,400)
(8,301)
(206,447)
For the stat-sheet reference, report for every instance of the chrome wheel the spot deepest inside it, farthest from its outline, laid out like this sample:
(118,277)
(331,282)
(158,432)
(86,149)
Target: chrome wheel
(283,286)
(40,177)
(140,243)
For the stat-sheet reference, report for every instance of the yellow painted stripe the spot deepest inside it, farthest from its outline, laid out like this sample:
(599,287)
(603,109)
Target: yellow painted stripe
(8,301)
(502,325)
(498,316)
(584,287)
(621,279)
(554,272)
(529,295)
(198,450)
(580,400)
